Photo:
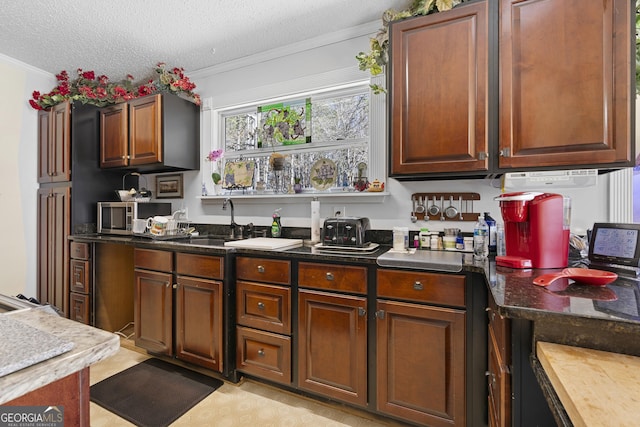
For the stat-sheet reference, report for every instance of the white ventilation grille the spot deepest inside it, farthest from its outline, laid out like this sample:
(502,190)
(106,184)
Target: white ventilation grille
(621,196)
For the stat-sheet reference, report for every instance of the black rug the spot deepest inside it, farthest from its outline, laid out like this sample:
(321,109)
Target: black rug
(153,393)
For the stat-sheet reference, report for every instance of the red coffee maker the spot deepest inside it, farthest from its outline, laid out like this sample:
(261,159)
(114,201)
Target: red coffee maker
(536,228)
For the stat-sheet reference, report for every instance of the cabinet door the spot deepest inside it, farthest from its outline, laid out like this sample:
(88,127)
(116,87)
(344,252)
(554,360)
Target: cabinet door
(153,307)
(145,130)
(421,363)
(438,98)
(199,322)
(53,247)
(332,345)
(54,144)
(44,138)
(114,136)
(566,83)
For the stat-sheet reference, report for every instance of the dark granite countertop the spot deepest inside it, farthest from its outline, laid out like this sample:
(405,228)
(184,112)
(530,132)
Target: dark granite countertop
(517,297)
(513,290)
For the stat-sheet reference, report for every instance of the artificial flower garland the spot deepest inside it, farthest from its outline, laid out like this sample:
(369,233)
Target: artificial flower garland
(99,91)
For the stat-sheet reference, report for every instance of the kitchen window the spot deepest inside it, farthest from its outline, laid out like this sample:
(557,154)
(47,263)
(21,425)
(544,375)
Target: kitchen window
(331,126)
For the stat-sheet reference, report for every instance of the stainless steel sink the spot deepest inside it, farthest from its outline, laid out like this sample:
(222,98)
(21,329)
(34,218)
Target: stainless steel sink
(207,241)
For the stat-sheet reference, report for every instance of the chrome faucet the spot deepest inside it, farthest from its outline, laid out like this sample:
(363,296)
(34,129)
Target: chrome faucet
(234,226)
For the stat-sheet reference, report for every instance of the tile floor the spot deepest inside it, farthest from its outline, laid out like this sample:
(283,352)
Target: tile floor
(248,404)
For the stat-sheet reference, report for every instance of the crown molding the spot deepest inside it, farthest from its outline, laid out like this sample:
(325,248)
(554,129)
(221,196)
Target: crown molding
(312,43)
(25,66)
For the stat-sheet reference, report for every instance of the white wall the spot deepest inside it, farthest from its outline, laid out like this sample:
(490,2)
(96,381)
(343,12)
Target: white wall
(18,172)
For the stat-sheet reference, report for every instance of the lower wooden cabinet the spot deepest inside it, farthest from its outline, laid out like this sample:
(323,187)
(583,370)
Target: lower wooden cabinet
(263,316)
(199,321)
(264,354)
(421,363)
(153,311)
(332,345)
(499,373)
(80,283)
(421,352)
(80,308)
(193,315)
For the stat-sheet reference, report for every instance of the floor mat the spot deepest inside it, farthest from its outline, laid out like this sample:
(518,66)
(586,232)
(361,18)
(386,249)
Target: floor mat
(153,393)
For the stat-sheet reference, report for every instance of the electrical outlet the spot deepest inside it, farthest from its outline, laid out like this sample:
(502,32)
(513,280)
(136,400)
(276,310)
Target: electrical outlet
(339,211)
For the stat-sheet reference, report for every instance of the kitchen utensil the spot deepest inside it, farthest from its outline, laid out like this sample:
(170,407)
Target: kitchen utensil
(434,209)
(451,211)
(461,219)
(420,207)
(579,275)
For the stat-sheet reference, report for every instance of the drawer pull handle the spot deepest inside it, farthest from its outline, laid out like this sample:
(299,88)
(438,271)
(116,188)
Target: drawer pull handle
(175,285)
(261,352)
(329,275)
(362,312)
(418,286)
(261,306)
(380,314)
(260,269)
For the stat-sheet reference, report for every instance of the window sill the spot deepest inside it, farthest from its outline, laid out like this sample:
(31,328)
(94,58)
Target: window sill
(354,196)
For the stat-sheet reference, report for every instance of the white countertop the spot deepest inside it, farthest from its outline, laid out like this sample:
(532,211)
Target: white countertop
(90,345)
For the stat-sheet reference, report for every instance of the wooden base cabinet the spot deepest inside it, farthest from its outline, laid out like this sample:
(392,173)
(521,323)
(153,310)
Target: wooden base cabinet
(80,286)
(194,315)
(499,373)
(332,331)
(332,346)
(263,301)
(199,308)
(154,311)
(421,350)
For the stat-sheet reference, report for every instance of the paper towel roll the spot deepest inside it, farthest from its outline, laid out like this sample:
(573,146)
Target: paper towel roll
(315,220)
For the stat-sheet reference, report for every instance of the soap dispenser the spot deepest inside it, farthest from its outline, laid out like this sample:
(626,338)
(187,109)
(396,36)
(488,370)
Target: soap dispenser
(276,227)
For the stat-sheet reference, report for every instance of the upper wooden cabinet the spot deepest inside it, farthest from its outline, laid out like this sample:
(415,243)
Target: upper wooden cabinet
(503,85)
(438,102)
(566,83)
(152,134)
(54,144)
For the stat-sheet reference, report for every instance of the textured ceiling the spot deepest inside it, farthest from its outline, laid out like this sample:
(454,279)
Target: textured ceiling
(120,37)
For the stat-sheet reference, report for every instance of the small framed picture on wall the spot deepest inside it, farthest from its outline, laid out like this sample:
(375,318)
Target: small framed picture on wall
(169,186)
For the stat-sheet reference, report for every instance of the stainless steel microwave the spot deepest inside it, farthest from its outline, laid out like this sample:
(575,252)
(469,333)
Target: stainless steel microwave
(117,217)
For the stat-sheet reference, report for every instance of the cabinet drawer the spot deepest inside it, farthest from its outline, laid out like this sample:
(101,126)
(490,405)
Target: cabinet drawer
(264,306)
(445,289)
(80,277)
(501,329)
(79,250)
(333,277)
(151,259)
(80,305)
(264,270)
(264,355)
(210,267)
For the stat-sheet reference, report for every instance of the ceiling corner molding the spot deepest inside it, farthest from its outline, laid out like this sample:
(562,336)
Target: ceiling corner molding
(25,66)
(312,43)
